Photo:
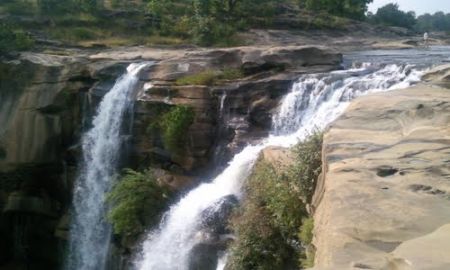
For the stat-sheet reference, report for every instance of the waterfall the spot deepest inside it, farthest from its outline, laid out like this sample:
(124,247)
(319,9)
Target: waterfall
(101,145)
(314,101)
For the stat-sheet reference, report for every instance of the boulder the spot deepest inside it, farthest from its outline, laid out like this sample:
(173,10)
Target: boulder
(280,158)
(213,235)
(214,219)
(203,257)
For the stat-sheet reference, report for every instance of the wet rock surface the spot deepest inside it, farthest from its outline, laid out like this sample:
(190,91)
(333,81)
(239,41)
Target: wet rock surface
(214,234)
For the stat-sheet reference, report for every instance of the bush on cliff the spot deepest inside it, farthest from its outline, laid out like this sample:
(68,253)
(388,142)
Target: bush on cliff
(264,226)
(272,225)
(308,165)
(13,39)
(137,201)
(306,236)
(174,124)
(210,77)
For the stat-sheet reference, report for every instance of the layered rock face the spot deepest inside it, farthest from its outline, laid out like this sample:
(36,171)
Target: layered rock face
(40,112)
(46,102)
(383,201)
(228,114)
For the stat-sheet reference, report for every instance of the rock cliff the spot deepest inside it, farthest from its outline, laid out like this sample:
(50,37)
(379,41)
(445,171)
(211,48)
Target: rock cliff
(47,101)
(383,199)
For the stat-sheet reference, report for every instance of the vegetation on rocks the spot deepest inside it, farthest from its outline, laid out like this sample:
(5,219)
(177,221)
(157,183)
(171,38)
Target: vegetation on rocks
(354,9)
(306,236)
(12,39)
(137,201)
(209,77)
(272,225)
(148,22)
(173,123)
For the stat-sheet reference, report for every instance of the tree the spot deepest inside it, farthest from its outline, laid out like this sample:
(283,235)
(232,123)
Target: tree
(354,9)
(206,21)
(437,22)
(390,14)
(55,7)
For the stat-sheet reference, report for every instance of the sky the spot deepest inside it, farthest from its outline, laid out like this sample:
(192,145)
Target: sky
(419,6)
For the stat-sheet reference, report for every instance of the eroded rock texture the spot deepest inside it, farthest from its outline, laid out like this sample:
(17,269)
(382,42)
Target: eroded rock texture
(47,101)
(384,199)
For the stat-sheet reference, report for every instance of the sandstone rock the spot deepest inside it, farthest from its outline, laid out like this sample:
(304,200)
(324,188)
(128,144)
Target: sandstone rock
(384,189)
(427,252)
(439,76)
(252,59)
(280,158)
(175,181)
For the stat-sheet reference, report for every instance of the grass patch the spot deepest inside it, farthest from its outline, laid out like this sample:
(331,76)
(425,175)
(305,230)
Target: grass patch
(137,202)
(209,77)
(202,78)
(272,225)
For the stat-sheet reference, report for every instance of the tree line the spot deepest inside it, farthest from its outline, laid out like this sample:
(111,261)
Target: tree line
(391,15)
(203,21)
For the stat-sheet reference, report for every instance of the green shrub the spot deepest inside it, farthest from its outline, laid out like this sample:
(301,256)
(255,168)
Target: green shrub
(307,261)
(136,202)
(174,125)
(210,77)
(259,244)
(306,230)
(202,78)
(13,40)
(231,74)
(272,225)
(306,236)
(20,7)
(266,223)
(308,165)
(81,33)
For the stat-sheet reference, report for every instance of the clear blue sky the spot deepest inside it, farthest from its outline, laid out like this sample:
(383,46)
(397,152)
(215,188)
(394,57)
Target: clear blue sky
(419,6)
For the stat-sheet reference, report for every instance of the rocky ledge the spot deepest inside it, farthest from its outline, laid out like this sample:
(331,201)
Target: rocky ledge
(228,113)
(383,201)
(46,101)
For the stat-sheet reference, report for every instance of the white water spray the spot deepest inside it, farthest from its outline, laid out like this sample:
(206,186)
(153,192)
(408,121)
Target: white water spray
(90,233)
(314,102)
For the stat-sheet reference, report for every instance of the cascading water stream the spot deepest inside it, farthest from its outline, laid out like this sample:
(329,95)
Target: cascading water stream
(101,146)
(314,101)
